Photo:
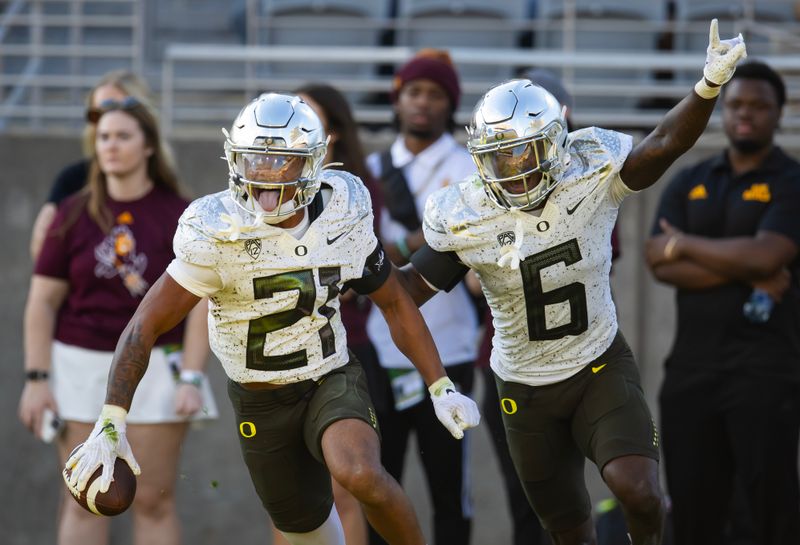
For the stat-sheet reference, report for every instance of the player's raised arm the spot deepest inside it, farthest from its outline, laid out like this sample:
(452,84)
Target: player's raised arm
(682,126)
(456,412)
(162,308)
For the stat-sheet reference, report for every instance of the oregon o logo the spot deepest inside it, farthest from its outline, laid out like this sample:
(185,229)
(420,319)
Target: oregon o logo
(508,405)
(247,429)
(301,250)
(542,226)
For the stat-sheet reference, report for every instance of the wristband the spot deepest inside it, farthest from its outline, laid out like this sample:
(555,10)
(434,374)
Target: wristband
(189,376)
(705,90)
(402,247)
(35,375)
(441,386)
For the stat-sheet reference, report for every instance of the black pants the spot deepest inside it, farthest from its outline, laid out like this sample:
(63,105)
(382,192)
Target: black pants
(444,458)
(722,432)
(527,528)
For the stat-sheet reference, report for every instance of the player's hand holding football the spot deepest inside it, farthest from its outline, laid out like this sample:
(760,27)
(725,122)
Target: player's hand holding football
(106,443)
(455,411)
(722,57)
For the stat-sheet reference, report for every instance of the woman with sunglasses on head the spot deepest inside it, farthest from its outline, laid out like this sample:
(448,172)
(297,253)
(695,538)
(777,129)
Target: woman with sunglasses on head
(106,245)
(113,86)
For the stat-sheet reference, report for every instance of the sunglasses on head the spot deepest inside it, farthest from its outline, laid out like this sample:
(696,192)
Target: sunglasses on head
(93,115)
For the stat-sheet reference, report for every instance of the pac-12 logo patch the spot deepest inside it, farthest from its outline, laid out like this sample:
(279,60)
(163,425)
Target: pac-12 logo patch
(506,238)
(253,247)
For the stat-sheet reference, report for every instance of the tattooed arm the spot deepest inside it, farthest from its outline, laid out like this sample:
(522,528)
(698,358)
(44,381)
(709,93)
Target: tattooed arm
(163,307)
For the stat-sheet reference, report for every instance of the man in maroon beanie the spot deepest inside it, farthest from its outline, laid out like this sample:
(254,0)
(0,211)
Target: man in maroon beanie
(423,158)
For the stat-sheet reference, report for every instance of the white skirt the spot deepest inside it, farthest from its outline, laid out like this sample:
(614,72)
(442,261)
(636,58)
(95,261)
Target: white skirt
(79,377)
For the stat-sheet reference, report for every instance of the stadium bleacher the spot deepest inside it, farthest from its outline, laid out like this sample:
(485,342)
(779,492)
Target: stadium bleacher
(206,57)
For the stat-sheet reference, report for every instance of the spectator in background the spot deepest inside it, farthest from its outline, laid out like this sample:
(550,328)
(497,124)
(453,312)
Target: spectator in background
(115,85)
(106,245)
(423,158)
(344,147)
(726,236)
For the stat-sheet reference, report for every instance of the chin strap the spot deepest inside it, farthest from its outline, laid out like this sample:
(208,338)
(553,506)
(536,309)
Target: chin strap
(510,255)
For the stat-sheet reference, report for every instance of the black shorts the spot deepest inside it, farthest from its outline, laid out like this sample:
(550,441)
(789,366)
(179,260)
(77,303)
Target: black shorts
(280,433)
(599,413)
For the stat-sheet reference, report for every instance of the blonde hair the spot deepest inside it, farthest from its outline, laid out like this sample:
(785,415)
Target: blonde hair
(127,83)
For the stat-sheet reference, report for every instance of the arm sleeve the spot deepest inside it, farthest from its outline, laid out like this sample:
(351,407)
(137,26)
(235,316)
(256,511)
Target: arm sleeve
(442,270)
(672,205)
(375,272)
(201,281)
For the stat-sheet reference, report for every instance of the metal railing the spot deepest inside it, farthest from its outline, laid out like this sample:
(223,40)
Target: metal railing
(192,103)
(203,86)
(48,60)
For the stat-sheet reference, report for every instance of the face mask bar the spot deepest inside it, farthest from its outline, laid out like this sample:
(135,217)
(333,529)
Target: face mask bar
(519,159)
(272,168)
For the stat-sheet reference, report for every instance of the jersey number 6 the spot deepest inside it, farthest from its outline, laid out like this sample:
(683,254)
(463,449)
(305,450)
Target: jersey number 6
(302,281)
(536,299)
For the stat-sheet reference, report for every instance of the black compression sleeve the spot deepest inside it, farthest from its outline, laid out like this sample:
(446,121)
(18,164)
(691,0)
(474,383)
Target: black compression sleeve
(376,272)
(443,270)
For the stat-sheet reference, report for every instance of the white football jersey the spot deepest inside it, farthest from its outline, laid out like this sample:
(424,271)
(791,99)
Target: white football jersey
(554,314)
(276,318)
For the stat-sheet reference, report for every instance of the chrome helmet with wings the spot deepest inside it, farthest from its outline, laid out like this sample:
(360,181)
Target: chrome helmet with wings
(518,138)
(275,151)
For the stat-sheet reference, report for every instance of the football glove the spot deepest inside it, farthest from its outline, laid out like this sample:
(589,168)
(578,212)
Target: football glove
(455,411)
(722,56)
(106,443)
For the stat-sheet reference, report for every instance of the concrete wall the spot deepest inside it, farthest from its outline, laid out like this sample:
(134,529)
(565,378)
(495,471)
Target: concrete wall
(216,499)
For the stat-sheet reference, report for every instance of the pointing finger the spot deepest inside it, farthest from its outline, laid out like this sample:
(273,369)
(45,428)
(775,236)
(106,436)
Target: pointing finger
(713,34)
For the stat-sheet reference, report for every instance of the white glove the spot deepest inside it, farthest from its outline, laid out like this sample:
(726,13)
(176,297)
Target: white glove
(722,56)
(455,411)
(106,443)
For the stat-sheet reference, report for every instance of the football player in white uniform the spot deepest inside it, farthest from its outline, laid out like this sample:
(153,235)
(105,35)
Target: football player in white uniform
(272,255)
(535,225)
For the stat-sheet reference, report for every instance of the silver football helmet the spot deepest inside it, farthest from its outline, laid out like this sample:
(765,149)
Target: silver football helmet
(275,151)
(517,138)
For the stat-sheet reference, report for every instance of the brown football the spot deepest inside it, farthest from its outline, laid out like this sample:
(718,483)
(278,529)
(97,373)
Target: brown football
(113,502)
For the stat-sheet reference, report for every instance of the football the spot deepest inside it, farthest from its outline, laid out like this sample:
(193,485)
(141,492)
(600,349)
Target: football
(113,502)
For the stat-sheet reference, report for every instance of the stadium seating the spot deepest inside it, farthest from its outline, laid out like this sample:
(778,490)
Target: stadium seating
(614,26)
(463,23)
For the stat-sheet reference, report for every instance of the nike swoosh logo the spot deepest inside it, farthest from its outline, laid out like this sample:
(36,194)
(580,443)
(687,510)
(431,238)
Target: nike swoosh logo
(577,204)
(337,237)
(597,369)
(340,235)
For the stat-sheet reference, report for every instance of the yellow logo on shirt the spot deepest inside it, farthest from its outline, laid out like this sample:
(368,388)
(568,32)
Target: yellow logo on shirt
(698,192)
(757,192)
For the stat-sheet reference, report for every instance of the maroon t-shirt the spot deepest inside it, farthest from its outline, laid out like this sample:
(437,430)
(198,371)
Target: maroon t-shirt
(108,274)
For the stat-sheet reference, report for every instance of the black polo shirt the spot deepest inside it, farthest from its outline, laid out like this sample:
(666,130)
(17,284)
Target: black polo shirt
(709,201)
